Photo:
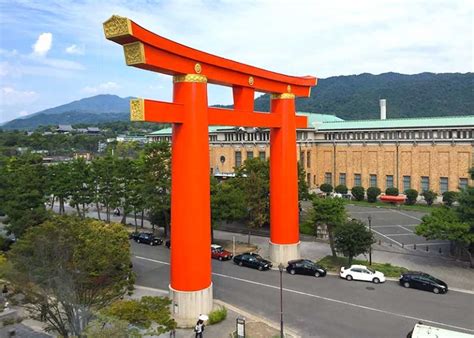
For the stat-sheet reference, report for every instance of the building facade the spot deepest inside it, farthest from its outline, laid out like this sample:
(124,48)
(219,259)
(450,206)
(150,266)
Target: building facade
(416,153)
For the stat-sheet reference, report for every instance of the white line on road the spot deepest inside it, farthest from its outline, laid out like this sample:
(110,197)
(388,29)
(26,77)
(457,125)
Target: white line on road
(324,298)
(392,226)
(390,239)
(427,244)
(403,227)
(405,214)
(409,234)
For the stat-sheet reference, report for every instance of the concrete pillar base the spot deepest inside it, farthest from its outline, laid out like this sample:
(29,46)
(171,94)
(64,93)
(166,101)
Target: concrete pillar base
(282,253)
(186,306)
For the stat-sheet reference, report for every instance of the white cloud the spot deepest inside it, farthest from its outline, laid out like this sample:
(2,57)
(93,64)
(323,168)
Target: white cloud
(43,44)
(23,113)
(74,49)
(103,88)
(9,96)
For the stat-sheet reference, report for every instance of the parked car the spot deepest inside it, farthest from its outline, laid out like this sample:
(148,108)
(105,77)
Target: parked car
(218,252)
(252,260)
(168,243)
(422,281)
(305,267)
(148,238)
(361,272)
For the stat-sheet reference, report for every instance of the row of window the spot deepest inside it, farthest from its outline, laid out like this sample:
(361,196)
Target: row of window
(246,136)
(238,157)
(308,158)
(425,181)
(401,135)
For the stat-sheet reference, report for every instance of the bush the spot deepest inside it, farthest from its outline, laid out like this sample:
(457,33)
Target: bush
(326,187)
(358,193)
(218,315)
(449,197)
(429,196)
(372,194)
(391,191)
(411,194)
(341,189)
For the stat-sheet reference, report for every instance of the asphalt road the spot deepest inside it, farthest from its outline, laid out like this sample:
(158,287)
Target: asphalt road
(323,307)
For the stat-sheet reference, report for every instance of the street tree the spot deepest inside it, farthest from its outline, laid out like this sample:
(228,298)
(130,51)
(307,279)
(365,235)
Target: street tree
(58,185)
(68,268)
(445,224)
(107,183)
(253,177)
(303,192)
(81,185)
(352,239)
(328,212)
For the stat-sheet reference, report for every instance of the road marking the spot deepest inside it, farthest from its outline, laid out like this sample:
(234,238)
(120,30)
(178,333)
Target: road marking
(427,244)
(409,234)
(390,239)
(392,226)
(401,226)
(324,298)
(369,212)
(405,214)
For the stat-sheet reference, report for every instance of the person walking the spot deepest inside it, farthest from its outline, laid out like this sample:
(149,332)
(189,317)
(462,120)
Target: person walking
(199,328)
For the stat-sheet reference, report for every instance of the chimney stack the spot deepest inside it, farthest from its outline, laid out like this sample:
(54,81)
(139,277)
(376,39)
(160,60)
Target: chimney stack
(383,109)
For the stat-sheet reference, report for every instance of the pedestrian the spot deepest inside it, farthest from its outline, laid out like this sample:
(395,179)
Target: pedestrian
(199,328)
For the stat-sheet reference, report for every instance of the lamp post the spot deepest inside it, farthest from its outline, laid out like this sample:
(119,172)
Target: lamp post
(370,249)
(280,268)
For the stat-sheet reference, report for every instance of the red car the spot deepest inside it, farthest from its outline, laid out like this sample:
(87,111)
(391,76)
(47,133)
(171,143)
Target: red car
(218,252)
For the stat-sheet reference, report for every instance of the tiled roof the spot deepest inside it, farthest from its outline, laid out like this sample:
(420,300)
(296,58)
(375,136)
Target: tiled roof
(428,122)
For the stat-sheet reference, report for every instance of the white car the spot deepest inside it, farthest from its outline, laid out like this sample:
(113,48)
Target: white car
(361,272)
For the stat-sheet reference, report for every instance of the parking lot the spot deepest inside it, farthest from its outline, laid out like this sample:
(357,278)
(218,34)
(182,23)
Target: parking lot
(396,227)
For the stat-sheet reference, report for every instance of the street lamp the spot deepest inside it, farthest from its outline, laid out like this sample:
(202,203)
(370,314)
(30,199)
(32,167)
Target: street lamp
(370,249)
(280,268)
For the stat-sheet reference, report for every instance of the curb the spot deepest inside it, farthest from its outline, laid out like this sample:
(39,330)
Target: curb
(246,314)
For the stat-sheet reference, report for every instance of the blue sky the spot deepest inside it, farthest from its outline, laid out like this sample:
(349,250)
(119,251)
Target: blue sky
(53,52)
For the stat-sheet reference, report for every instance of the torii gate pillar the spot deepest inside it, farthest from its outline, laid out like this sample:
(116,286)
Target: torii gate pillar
(284,225)
(190,284)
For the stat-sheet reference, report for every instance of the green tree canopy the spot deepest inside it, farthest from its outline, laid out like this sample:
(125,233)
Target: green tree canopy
(68,268)
(352,239)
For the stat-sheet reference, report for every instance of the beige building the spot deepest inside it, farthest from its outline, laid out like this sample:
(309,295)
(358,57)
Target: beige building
(419,153)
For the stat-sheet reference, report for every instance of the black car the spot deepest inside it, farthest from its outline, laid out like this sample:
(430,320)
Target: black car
(147,238)
(305,267)
(252,260)
(423,281)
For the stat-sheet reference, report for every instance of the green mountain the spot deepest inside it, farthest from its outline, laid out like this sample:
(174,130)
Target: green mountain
(349,97)
(357,97)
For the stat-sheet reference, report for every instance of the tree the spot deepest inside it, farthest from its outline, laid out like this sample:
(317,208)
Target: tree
(341,189)
(22,193)
(253,177)
(156,158)
(429,196)
(329,212)
(449,197)
(227,202)
(81,185)
(353,239)
(59,184)
(326,187)
(144,313)
(107,183)
(372,194)
(303,193)
(412,195)
(358,193)
(392,191)
(67,268)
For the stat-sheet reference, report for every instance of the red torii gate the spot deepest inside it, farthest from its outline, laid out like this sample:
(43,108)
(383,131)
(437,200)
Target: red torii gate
(191,284)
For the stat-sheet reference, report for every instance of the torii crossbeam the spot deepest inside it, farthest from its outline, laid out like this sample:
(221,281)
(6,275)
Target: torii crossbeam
(191,284)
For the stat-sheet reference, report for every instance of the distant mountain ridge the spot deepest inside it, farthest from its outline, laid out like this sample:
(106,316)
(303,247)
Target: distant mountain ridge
(348,97)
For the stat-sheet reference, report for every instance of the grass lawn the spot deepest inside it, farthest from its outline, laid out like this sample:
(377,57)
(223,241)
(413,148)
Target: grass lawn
(334,265)
(416,207)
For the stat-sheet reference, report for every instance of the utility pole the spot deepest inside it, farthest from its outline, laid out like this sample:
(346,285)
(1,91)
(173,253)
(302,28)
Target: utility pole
(370,249)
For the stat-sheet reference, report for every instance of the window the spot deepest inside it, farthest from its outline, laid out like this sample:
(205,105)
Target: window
(389,181)
(314,179)
(425,183)
(462,183)
(308,179)
(249,155)
(373,180)
(357,180)
(238,159)
(308,159)
(328,178)
(342,178)
(302,158)
(406,182)
(443,184)
(261,155)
